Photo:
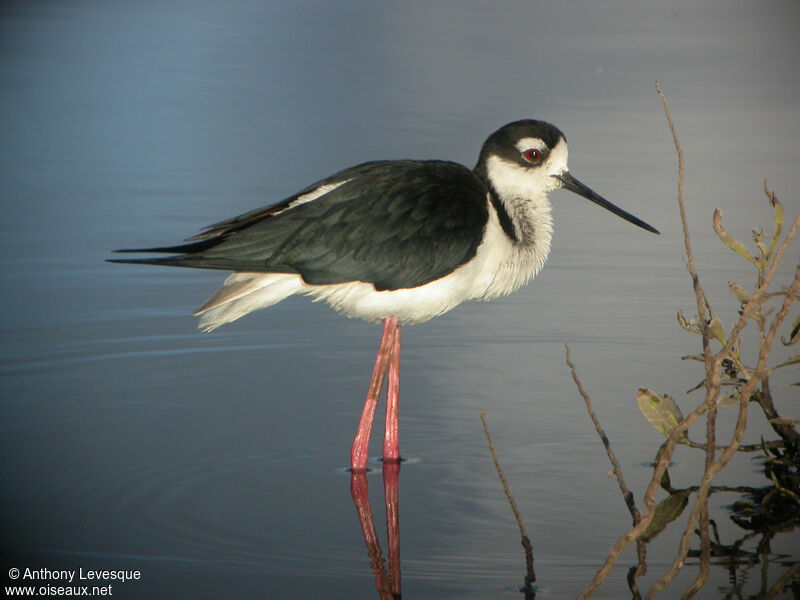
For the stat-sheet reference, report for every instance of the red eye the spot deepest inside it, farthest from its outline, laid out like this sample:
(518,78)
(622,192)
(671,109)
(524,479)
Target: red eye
(532,155)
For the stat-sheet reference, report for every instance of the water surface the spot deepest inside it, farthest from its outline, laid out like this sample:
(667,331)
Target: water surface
(214,464)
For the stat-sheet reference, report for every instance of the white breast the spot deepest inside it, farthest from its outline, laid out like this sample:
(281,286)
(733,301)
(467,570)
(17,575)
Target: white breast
(499,267)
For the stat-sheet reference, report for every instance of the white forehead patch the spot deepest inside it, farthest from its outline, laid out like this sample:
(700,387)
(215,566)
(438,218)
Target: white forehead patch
(557,160)
(528,143)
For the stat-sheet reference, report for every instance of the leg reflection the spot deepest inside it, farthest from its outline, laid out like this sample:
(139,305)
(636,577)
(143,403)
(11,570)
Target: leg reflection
(391,473)
(388,585)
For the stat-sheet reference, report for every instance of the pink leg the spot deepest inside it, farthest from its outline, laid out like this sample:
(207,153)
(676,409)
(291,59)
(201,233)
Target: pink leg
(391,439)
(360,450)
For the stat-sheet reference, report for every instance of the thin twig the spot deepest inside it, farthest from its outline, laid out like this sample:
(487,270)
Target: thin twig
(526,542)
(497,466)
(705,553)
(627,495)
(713,378)
(700,295)
(684,222)
(782,581)
(742,447)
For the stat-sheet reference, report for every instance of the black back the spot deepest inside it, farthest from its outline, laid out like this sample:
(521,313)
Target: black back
(395,224)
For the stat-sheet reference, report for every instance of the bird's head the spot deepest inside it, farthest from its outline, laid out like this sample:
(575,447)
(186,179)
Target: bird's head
(525,160)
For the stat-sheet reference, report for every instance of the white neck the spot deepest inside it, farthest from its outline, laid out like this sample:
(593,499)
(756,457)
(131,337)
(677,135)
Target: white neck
(530,211)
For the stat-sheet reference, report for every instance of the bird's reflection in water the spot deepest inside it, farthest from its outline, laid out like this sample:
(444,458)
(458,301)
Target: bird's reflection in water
(387,583)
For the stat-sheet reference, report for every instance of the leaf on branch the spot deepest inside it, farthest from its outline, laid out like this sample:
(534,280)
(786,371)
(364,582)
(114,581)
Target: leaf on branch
(729,240)
(690,325)
(661,411)
(763,256)
(773,199)
(795,335)
(733,399)
(739,292)
(716,330)
(665,513)
(779,219)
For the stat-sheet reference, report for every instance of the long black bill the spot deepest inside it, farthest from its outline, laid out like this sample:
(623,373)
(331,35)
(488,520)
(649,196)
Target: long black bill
(573,185)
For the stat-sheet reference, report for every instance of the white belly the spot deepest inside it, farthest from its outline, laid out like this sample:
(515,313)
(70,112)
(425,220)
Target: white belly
(499,267)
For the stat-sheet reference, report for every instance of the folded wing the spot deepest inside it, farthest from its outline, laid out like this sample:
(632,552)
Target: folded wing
(395,224)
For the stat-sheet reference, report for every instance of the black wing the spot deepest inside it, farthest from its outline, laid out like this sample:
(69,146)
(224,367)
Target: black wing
(395,224)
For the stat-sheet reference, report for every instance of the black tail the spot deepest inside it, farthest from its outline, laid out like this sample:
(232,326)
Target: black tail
(190,256)
(189,248)
(167,261)
(198,261)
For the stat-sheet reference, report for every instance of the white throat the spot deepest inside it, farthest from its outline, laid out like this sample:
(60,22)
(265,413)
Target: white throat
(524,196)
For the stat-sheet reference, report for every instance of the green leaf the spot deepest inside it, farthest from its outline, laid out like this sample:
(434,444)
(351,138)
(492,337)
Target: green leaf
(690,325)
(739,293)
(665,513)
(779,219)
(795,335)
(762,252)
(661,411)
(716,330)
(734,399)
(729,240)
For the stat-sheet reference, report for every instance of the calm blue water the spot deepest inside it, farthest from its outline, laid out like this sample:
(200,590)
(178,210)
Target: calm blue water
(214,464)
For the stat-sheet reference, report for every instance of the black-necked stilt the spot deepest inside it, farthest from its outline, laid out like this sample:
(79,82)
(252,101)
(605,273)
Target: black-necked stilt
(394,241)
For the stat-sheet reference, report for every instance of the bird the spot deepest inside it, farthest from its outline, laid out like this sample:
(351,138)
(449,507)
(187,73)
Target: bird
(393,241)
